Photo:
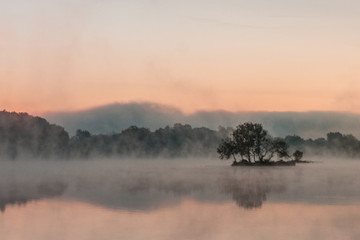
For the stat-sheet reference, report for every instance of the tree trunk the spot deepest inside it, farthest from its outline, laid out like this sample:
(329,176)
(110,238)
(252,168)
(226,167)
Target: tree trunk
(234,158)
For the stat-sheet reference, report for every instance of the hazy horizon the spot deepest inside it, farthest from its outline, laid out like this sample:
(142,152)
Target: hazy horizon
(116,117)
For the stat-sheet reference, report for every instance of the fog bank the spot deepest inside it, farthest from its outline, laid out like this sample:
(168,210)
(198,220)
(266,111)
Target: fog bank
(117,117)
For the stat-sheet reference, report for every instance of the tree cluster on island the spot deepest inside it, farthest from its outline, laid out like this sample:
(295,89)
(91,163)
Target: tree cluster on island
(254,146)
(28,137)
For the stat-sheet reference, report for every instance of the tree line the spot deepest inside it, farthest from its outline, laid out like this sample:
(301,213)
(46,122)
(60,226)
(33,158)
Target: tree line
(26,136)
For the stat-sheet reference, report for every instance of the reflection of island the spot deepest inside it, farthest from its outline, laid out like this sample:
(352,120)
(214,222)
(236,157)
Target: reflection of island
(248,188)
(250,192)
(19,195)
(247,195)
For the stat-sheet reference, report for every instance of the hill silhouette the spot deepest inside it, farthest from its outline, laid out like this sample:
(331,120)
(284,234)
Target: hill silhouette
(119,116)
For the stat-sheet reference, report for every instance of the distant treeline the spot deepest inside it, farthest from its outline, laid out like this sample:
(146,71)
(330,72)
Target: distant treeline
(177,141)
(25,136)
(336,144)
(22,135)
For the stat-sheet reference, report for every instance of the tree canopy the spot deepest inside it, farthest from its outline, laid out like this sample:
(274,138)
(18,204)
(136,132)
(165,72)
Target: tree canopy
(251,143)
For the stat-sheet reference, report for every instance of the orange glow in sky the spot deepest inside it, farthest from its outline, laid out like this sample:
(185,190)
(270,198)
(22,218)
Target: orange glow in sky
(194,55)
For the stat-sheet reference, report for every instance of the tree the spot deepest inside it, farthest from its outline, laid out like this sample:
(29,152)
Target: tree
(298,155)
(227,149)
(280,147)
(252,143)
(82,134)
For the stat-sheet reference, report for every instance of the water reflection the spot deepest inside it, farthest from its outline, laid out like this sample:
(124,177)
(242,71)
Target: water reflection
(147,188)
(246,192)
(15,194)
(58,220)
(147,191)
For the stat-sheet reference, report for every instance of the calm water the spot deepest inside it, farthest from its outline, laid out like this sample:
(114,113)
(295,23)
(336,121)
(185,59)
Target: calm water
(193,199)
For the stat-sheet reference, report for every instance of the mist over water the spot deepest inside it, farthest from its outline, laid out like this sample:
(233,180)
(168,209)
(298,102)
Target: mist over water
(153,187)
(151,184)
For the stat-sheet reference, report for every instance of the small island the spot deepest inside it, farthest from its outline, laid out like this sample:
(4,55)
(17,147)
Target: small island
(251,145)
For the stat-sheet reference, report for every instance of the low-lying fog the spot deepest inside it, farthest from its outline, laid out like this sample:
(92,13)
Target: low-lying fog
(151,184)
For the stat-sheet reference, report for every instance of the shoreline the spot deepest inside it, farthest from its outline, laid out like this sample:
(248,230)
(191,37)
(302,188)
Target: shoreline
(268,164)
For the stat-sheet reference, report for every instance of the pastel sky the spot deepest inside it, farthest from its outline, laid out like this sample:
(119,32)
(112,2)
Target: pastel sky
(237,55)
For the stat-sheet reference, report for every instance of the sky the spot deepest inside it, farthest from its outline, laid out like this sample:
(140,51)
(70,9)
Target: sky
(235,55)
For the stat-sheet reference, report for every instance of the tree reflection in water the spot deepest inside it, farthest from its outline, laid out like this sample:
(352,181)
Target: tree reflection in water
(251,188)
(143,189)
(16,194)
